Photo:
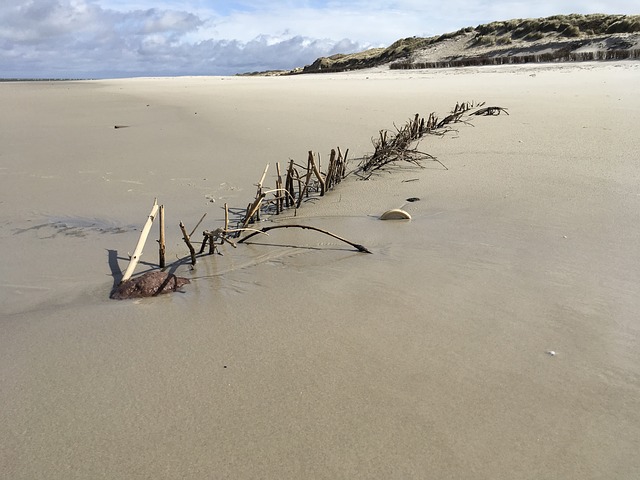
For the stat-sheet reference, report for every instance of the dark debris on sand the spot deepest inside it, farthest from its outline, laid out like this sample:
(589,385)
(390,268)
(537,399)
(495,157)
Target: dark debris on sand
(148,285)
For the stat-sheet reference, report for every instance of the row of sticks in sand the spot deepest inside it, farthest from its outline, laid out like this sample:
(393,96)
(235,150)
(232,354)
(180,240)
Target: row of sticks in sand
(301,181)
(391,147)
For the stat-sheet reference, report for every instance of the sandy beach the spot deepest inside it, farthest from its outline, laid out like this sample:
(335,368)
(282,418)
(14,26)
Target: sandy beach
(295,356)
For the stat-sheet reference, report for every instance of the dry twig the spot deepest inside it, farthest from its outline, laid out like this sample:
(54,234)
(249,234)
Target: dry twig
(357,246)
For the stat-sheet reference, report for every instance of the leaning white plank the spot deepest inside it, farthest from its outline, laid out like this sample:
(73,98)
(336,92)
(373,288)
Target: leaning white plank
(137,253)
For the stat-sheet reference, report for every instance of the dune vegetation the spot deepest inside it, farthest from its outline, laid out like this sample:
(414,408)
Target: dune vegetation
(556,38)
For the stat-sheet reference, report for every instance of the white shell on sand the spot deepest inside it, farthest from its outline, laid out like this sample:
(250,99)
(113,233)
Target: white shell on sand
(395,214)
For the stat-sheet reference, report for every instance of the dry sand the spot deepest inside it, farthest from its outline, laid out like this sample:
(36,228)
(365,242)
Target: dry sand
(295,356)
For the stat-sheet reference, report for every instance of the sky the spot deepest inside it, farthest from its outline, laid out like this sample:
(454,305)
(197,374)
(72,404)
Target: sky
(126,38)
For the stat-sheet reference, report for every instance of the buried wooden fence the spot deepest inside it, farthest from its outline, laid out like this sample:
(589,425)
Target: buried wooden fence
(302,181)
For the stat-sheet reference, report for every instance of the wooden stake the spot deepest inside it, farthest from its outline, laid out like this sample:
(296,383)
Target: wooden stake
(161,240)
(252,209)
(328,177)
(259,197)
(300,187)
(317,173)
(135,258)
(187,240)
(280,196)
(414,126)
(264,174)
(305,189)
(226,217)
(343,165)
(205,240)
(289,186)
(332,169)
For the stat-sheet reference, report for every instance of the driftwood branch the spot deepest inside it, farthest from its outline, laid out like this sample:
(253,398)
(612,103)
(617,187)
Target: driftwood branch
(211,237)
(391,147)
(187,240)
(357,246)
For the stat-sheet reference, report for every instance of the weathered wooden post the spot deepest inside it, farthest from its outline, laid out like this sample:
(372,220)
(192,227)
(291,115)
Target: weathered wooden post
(316,171)
(187,240)
(161,241)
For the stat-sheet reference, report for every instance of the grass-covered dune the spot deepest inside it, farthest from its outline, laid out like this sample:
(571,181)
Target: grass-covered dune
(560,37)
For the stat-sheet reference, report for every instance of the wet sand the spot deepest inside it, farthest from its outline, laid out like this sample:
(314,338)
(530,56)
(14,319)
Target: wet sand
(295,356)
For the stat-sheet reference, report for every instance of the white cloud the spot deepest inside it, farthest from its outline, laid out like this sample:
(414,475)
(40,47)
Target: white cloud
(89,38)
(78,38)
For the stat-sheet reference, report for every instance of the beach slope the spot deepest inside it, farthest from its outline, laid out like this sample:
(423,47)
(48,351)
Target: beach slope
(494,335)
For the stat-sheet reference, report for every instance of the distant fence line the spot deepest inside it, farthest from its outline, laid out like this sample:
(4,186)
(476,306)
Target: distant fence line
(561,56)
